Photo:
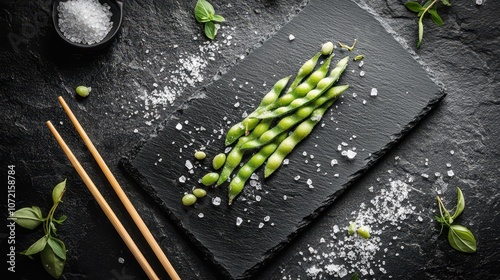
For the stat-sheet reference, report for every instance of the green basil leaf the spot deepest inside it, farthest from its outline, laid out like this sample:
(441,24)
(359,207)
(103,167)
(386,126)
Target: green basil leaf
(28,217)
(218,18)
(435,17)
(60,220)
(424,7)
(460,204)
(461,239)
(446,2)
(53,228)
(203,11)
(36,247)
(51,262)
(58,191)
(413,6)
(420,32)
(58,247)
(210,30)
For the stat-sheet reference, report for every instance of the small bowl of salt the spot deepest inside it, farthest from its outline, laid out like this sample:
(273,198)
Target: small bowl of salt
(87,24)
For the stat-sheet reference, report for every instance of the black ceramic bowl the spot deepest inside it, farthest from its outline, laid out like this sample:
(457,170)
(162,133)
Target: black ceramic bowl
(116,8)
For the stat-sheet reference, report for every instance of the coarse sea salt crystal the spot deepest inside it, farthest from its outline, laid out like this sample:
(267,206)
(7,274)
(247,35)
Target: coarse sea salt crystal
(239,221)
(182,179)
(450,173)
(178,126)
(374,92)
(334,162)
(291,37)
(216,201)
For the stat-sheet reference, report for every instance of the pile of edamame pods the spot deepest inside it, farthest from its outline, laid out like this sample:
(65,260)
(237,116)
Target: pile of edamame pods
(279,123)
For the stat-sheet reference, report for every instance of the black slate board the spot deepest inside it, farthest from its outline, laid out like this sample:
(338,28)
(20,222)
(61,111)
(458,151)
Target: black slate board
(370,124)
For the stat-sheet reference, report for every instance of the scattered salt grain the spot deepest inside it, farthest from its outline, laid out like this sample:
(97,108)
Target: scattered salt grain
(374,92)
(362,73)
(201,215)
(479,2)
(261,225)
(291,37)
(334,162)
(178,126)
(189,165)
(216,201)
(121,260)
(182,179)
(267,218)
(450,173)
(296,178)
(239,221)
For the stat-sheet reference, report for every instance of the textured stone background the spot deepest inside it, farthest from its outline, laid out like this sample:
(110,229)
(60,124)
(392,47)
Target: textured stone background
(463,131)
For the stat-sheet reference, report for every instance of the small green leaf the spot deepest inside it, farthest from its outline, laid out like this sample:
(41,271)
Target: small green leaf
(461,239)
(36,247)
(28,217)
(435,17)
(460,204)
(203,11)
(210,30)
(58,191)
(420,32)
(414,6)
(355,276)
(424,7)
(218,18)
(51,262)
(446,2)
(60,220)
(58,247)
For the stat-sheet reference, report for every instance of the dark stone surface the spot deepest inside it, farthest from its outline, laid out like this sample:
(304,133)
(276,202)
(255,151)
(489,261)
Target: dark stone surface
(369,125)
(463,55)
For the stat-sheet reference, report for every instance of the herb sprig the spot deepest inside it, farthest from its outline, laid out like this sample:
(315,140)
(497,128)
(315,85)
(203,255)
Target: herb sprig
(204,13)
(459,237)
(430,7)
(52,250)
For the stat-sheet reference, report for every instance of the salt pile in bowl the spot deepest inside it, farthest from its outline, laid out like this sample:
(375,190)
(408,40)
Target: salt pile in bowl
(84,21)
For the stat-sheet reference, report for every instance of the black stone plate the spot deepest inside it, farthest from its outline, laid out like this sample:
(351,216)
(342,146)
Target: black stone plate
(367,125)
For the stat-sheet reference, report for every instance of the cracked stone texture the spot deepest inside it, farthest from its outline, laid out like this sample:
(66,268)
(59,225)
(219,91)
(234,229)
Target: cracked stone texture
(463,55)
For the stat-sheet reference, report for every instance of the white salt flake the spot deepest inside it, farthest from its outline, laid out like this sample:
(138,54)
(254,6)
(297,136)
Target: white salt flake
(239,221)
(334,162)
(216,201)
(374,92)
(182,179)
(178,126)
(201,215)
(291,37)
(450,173)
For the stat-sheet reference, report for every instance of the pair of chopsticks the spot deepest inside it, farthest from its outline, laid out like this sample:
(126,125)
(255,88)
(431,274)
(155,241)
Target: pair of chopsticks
(121,194)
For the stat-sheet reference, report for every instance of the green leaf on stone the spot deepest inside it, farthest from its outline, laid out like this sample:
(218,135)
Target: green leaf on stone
(204,11)
(435,17)
(460,204)
(28,217)
(58,247)
(58,192)
(414,6)
(218,18)
(51,262)
(36,247)
(461,239)
(210,30)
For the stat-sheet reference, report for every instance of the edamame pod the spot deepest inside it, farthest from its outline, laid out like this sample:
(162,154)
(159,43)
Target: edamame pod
(300,91)
(237,130)
(291,120)
(304,70)
(236,154)
(322,86)
(302,131)
(238,182)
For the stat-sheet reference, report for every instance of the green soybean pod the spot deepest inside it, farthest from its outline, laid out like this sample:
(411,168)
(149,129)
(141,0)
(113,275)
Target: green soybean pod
(247,124)
(236,154)
(238,182)
(291,120)
(322,86)
(304,70)
(301,132)
(300,91)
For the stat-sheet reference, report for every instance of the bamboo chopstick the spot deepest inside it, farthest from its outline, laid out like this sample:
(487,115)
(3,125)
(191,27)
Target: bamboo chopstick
(121,194)
(104,205)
